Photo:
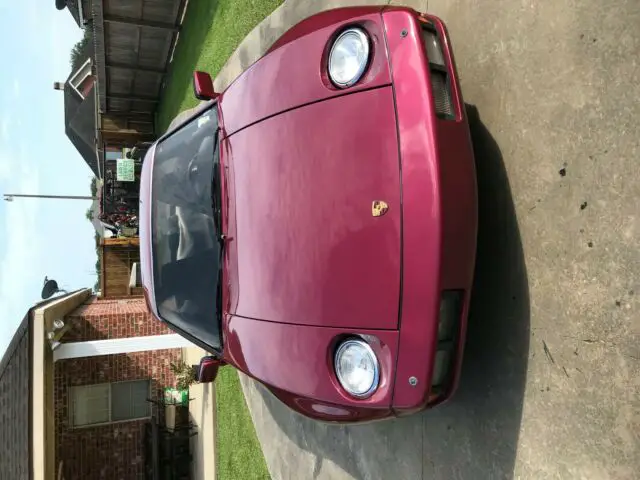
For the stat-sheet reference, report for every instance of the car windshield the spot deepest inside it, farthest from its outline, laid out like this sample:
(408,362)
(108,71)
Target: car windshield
(186,252)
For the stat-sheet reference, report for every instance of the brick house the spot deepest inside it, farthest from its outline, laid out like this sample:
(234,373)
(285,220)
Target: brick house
(101,401)
(78,374)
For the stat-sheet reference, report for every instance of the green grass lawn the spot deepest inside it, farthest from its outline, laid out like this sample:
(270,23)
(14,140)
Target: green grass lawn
(238,450)
(211,31)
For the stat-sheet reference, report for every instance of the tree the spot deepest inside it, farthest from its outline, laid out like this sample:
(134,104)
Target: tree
(94,191)
(97,239)
(94,186)
(76,51)
(98,272)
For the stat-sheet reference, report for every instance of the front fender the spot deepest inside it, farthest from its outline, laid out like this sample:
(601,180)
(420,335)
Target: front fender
(294,72)
(327,18)
(295,362)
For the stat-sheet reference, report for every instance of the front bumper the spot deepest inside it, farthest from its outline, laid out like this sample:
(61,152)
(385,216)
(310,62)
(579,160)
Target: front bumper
(439,213)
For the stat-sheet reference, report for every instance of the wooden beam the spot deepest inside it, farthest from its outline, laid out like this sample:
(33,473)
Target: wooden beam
(114,136)
(132,81)
(134,98)
(140,23)
(131,116)
(127,116)
(136,68)
(131,119)
(122,241)
(126,113)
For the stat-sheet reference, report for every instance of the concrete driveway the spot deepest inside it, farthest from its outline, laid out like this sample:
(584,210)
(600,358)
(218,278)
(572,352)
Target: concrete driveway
(551,378)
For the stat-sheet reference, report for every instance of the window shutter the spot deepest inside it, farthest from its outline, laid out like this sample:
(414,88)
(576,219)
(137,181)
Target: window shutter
(90,404)
(129,400)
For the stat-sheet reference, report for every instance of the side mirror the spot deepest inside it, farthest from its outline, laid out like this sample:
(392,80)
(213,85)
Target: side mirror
(208,369)
(203,86)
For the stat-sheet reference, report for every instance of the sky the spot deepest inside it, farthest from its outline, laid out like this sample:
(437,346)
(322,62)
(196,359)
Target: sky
(38,237)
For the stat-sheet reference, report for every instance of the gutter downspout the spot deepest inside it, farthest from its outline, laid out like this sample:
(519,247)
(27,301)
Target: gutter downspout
(97,126)
(81,13)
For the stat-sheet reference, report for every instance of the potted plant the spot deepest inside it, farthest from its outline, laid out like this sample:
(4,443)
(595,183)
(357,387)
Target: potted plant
(185,375)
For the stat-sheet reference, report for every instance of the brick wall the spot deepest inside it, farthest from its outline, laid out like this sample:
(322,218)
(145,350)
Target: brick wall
(106,319)
(15,411)
(113,451)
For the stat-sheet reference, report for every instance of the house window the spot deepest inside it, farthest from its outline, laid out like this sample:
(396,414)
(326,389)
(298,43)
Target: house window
(111,155)
(109,402)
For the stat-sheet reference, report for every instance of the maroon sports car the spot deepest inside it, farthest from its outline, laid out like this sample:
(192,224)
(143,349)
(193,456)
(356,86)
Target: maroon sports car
(314,225)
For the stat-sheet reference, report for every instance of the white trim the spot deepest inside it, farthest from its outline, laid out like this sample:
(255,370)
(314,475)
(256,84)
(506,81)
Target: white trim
(73,81)
(79,69)
(39,402)
(119,345)
(42,382)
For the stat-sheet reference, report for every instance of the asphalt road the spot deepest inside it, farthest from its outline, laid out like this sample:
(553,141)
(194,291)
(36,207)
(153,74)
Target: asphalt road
(551,378)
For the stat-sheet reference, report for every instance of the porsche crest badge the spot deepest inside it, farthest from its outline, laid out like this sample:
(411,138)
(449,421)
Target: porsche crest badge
(379,208)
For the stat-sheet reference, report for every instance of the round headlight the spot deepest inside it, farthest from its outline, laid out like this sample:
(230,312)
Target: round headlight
(357,368)
(349,57)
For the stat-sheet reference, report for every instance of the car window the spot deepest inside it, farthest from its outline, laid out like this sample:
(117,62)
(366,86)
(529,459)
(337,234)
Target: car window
(185,251)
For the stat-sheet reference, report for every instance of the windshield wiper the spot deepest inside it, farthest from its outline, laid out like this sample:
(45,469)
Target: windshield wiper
(216,187)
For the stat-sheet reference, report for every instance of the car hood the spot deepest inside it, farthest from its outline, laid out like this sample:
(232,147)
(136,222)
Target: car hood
(308,250)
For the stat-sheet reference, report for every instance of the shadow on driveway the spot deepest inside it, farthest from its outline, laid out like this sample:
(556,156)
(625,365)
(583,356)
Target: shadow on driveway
(475,436)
